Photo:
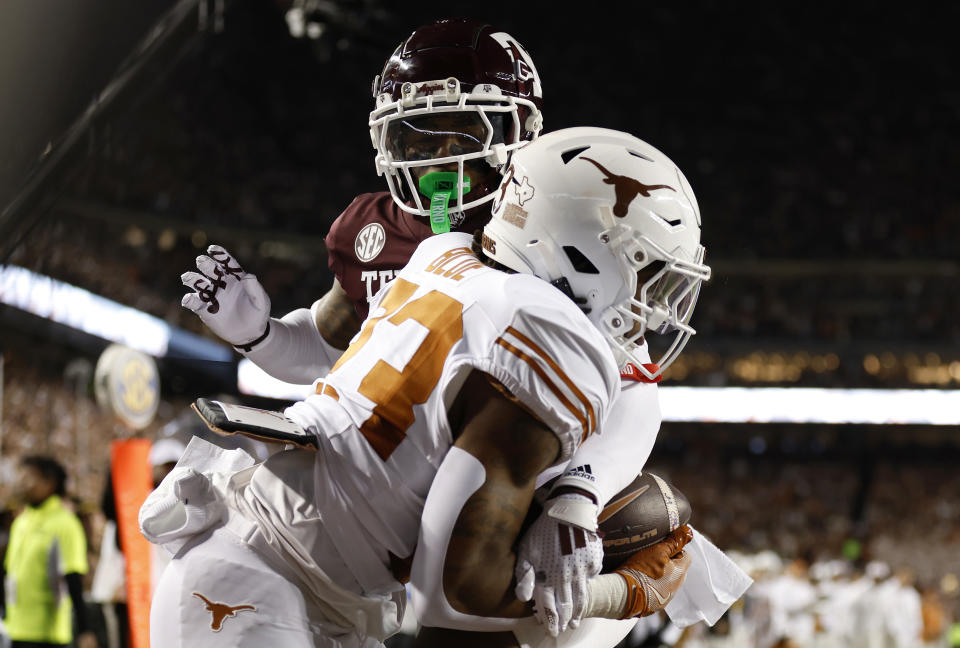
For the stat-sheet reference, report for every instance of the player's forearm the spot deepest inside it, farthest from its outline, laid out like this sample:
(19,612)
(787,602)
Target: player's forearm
(607,596)
(294,351)
(335,317)
(478,572)
(445,600)
(609,461)
(462,573)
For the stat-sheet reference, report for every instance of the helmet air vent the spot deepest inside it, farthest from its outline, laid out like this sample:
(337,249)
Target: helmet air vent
(566,156)
(580,262)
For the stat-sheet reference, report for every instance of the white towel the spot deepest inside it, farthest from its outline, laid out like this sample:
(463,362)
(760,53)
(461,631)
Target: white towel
(184,505)
(190,499)
(714,582)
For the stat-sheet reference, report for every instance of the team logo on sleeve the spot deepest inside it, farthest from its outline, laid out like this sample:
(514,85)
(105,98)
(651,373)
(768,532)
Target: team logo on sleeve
(221,611)
(369,242)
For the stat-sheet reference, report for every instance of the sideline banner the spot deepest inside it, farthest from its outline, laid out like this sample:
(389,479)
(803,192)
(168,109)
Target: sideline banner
(132,482)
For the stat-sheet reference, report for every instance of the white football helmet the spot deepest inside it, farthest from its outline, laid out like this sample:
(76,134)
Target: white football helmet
(611,221)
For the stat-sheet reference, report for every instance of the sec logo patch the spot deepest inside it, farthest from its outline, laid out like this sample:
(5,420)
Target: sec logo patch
(369,242)
(127,383)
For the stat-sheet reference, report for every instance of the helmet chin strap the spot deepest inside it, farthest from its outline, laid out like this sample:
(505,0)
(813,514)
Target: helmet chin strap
(439,186)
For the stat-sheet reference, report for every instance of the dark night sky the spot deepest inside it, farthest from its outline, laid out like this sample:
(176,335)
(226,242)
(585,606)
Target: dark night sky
(785,116)
(807,133)
(781,90)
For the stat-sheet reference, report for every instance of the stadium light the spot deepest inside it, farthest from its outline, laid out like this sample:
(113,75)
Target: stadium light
(83,310)
(737,404)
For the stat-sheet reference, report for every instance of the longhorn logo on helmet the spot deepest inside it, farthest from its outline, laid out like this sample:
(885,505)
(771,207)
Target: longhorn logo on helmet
(626,188)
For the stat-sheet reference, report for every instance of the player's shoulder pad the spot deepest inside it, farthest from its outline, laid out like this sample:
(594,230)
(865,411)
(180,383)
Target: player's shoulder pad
(436,245)
(448,258)
(552,358)
(364,209)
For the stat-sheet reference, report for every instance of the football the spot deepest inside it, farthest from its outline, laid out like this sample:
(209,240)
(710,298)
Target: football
(642,514)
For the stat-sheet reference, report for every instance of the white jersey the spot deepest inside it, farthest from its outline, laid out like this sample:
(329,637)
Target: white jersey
(381,413)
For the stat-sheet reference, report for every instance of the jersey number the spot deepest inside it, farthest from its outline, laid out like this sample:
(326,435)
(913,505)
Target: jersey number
(396,391)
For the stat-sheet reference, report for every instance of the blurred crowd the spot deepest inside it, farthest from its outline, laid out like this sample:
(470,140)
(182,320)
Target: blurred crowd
(141,268)
(227,150)
(53,413)
(831,308)
(843,552)
(843,525)
(827,604)
(229,141)
(904,513)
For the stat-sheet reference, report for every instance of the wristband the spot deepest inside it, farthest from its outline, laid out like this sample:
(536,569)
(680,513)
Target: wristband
(246,348)
(582,479)
(578,511)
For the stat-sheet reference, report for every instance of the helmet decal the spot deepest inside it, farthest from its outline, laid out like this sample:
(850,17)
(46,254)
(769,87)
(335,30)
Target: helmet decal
(627,189)
(507,179)
(515,215)
(523,64)
(522,188)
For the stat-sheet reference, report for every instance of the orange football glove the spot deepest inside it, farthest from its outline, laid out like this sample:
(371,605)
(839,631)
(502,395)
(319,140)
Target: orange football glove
(655,573)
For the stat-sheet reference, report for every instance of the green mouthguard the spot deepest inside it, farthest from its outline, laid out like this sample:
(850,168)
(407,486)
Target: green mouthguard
(439,186)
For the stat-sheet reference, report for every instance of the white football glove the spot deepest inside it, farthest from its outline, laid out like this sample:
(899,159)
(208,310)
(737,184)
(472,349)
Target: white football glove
(228,300)
(558,555)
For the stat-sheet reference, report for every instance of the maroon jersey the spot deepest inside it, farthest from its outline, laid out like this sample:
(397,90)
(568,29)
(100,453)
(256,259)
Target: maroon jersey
(373,239)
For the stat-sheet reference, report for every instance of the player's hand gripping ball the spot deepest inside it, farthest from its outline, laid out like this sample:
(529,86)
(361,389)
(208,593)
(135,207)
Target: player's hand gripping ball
(642,514)
(557,556)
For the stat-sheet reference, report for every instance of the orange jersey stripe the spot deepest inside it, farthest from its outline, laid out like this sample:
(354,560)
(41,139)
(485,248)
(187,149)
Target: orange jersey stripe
(326,390)
(550,384)
(563,376)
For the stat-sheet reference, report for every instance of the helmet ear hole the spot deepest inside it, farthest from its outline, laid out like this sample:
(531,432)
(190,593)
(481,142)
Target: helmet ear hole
(566,156)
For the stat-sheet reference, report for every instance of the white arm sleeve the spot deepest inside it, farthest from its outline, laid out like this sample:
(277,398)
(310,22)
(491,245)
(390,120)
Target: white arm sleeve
(294,351)
(460,476)
(610,461)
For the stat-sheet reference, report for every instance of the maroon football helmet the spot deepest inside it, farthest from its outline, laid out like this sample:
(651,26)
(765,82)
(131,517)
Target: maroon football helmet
(457,95)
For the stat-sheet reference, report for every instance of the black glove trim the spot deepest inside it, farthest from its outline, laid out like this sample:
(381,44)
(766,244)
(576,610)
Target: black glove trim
(246,348)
